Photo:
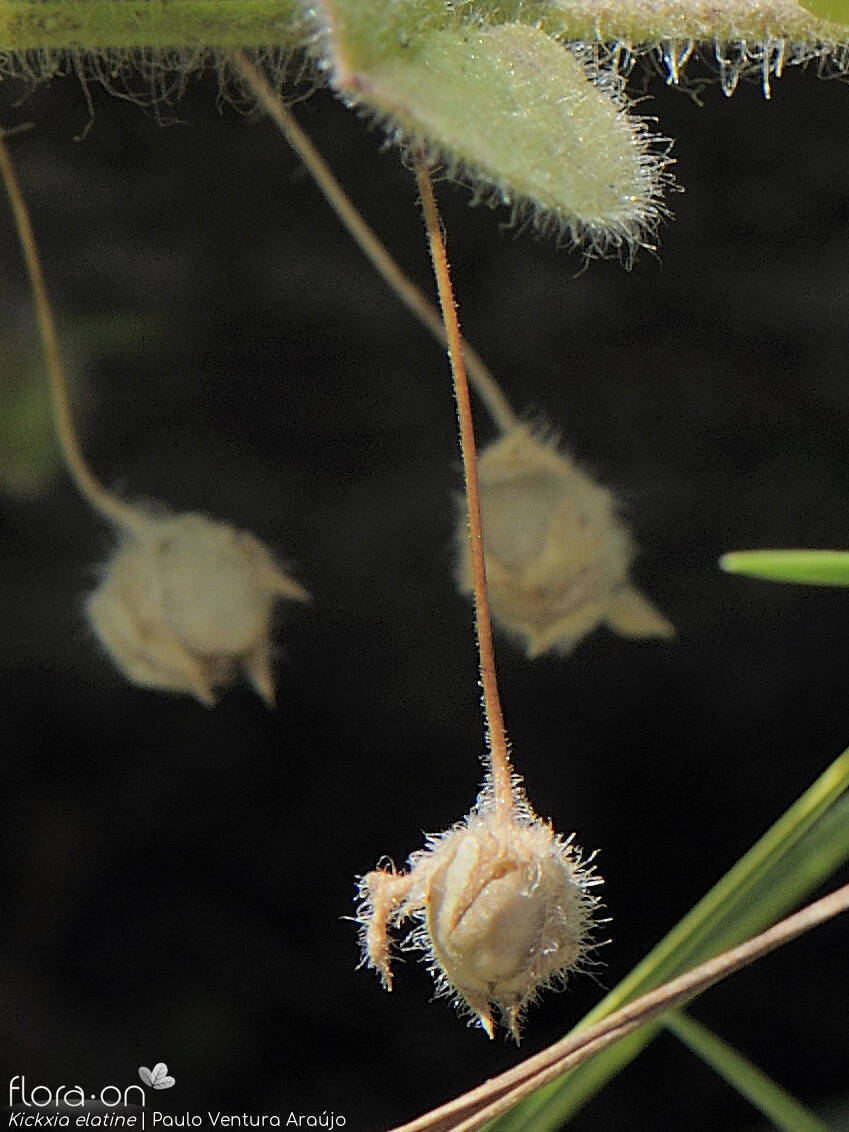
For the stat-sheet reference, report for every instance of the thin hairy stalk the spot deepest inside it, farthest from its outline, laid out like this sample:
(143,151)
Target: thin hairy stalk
(502,775)
(369,243)
(90,487)
(501,1093)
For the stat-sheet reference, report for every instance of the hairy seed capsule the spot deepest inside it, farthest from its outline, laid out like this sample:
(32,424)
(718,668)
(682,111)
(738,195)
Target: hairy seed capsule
(557,554)
(503,910)
(187,602)
(505,914)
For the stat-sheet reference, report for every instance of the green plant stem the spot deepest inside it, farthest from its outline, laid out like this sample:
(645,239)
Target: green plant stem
(91,24)
(774,1102)
(641,22)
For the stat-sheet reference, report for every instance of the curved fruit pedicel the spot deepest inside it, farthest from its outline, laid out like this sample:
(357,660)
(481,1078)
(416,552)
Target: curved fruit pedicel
(501,903)
(185,601)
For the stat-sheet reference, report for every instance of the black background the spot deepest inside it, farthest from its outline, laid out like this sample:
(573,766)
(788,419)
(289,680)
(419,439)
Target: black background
(174,877)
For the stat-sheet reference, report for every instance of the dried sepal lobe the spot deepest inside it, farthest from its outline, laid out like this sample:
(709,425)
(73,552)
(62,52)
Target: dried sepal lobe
(186,602)
(501,907)
(557,553)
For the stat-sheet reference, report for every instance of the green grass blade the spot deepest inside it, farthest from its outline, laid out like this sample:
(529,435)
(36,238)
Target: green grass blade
(820,852)
(793,857)
(549,1108)
(774,1102)
(805,567)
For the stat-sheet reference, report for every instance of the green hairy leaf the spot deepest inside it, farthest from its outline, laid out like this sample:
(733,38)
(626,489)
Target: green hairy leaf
(510,110)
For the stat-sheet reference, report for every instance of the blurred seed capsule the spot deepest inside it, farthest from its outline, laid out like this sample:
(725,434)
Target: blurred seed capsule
(186,604)
(557,554)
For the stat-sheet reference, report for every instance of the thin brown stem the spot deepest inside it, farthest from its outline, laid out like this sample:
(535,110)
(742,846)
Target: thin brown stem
(89,486)
(502,775)
(486,386)
(499,1094)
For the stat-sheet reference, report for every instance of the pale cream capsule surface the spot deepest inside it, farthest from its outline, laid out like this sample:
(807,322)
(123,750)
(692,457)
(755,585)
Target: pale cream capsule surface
(557,554)
(505,914)
(502,907)
(186,602)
